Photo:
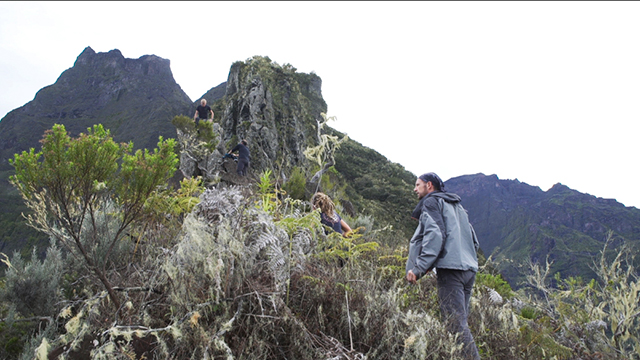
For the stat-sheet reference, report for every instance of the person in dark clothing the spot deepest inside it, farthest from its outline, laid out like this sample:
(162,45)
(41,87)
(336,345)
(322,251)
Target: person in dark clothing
(446,241)
(202,112)
(328,215)
(243,157)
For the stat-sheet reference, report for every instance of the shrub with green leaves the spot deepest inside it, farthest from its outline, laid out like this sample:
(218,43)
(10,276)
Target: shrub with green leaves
(197,135)
(73,181)
(598,317)
(495,282)
(246,274)
(165,210)
(295,186)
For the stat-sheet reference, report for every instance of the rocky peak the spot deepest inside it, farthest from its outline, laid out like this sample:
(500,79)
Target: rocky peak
(85,56)
(558,188)
(134,98)
(147,65)
(275,109)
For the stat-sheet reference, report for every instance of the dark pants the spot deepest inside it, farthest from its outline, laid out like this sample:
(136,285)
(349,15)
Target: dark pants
(198,120)
(242,166)
(454,292)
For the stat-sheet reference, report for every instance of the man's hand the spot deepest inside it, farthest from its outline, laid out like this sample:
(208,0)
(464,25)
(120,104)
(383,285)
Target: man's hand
(411,277)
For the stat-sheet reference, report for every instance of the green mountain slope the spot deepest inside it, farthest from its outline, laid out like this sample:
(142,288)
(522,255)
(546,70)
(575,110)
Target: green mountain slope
(518,223)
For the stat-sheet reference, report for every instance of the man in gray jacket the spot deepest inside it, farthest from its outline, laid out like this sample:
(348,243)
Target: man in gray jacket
(445,239)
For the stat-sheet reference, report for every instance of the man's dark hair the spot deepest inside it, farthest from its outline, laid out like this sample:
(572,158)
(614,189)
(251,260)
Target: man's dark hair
(435,180)
(244,142)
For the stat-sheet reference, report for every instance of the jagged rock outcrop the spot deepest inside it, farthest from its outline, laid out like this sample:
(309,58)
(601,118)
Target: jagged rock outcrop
(271,106)
(275,109)
(197,158)
(202,155)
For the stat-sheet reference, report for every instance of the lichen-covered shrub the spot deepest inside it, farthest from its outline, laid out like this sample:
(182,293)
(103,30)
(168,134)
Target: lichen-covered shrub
(240,283)
(33,286)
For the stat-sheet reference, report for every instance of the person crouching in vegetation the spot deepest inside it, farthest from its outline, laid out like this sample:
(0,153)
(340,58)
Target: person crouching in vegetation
(445,240)
(328,215)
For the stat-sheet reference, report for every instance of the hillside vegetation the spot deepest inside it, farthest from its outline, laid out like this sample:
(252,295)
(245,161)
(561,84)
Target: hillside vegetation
(247,272)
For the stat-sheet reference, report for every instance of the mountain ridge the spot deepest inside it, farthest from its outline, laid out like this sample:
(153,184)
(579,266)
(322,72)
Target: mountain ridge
(277,109)
(565,225)
(105,86)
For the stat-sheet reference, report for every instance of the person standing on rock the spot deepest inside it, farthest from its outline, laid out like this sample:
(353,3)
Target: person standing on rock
(202,112)
(243,157)
(445,240)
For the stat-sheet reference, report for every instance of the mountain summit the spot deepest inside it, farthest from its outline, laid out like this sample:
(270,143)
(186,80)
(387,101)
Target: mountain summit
(134,98)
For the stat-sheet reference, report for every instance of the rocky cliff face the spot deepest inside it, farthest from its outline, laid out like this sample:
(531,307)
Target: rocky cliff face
(275,109)
(271,106)
(518,222)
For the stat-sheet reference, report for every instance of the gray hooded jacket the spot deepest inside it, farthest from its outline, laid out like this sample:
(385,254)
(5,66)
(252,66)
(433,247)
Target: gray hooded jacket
(444,238)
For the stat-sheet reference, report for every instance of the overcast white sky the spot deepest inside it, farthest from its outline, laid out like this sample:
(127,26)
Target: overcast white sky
(544,92)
